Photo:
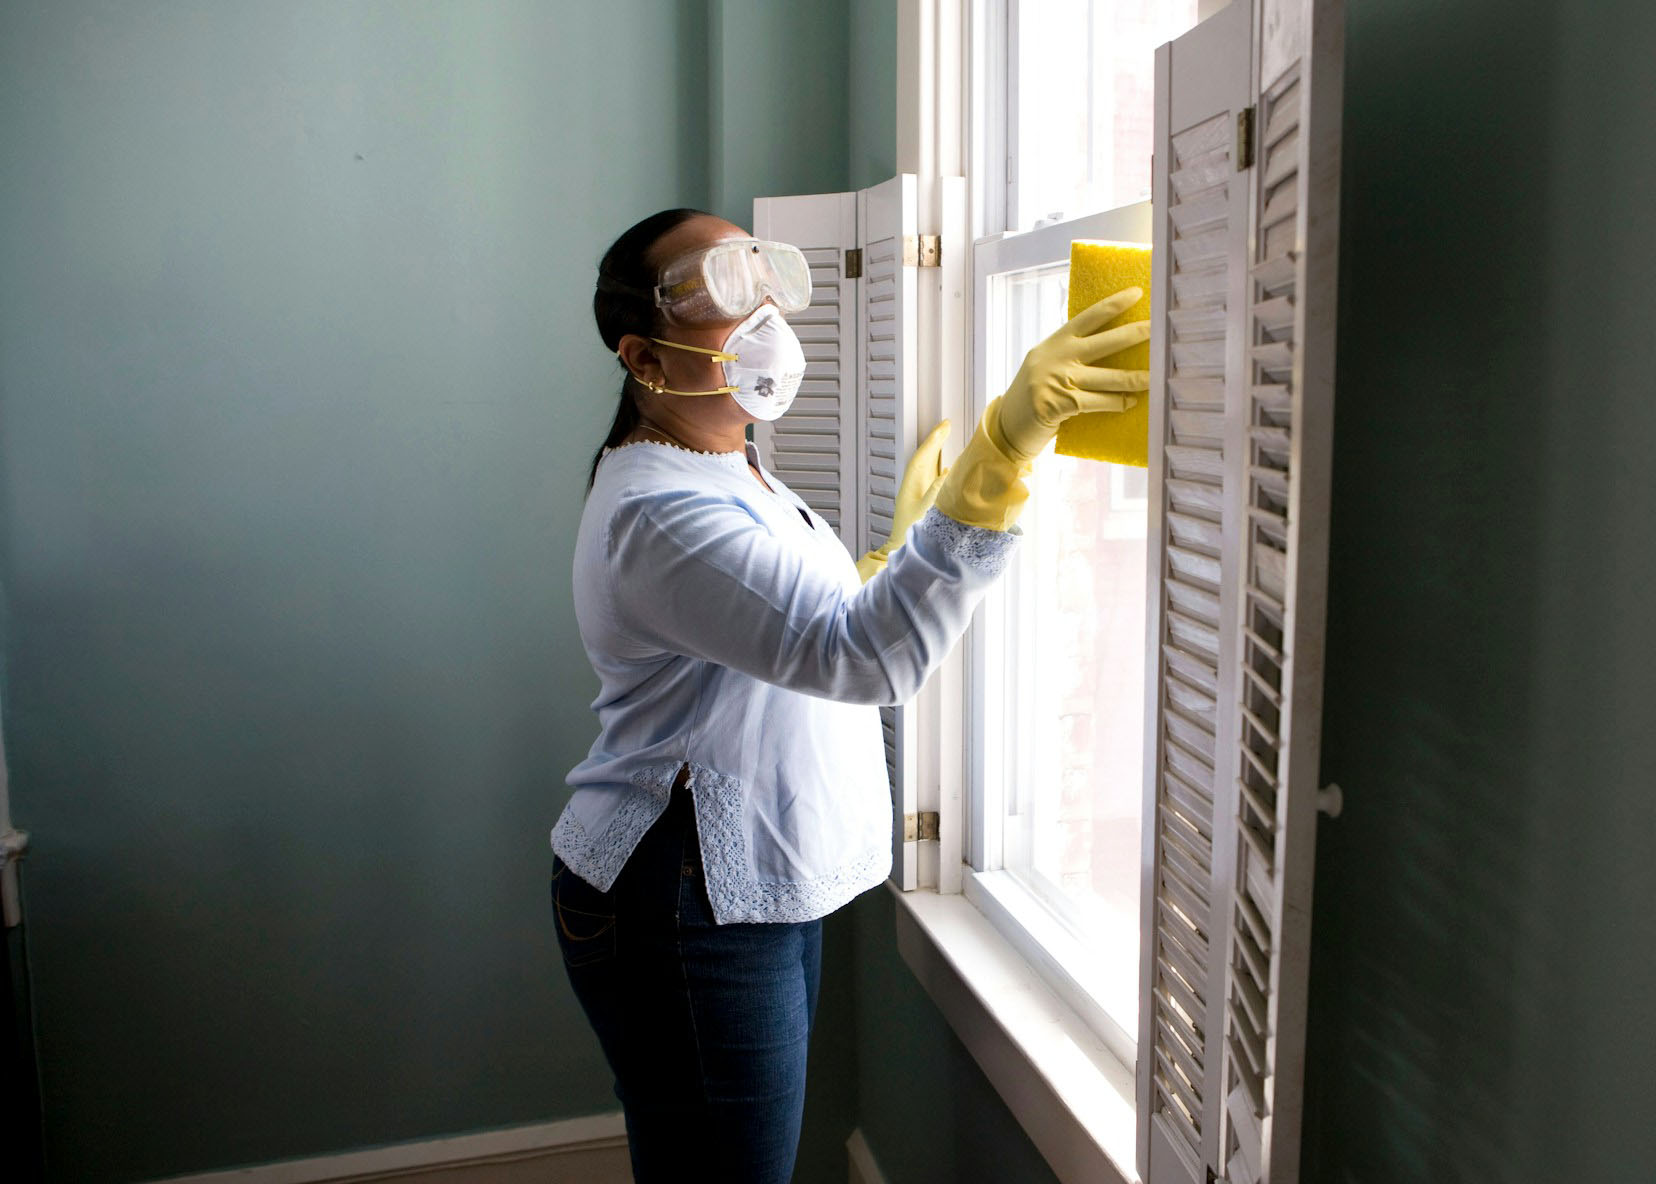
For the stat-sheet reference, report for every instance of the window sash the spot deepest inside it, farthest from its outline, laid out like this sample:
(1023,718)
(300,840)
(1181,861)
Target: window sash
(993,256)
(996,105)
(1029,913)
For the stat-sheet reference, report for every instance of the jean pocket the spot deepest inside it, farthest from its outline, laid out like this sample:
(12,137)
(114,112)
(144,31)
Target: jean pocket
(586,918)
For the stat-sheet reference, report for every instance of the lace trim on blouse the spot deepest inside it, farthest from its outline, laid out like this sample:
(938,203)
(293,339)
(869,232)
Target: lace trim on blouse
(733,890)
(735,461)
(735,893)
(985,549)
(598,859)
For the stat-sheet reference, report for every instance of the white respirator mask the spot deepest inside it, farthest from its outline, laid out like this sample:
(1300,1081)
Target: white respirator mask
(763,364)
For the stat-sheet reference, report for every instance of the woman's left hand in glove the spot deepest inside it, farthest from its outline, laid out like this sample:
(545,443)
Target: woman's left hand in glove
(915,494)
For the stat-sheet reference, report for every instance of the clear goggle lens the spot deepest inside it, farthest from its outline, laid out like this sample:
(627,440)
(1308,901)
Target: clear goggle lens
(728,280)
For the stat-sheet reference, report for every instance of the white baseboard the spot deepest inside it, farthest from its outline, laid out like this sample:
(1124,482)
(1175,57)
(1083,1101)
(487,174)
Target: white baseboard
(589,1150)
(863,1168)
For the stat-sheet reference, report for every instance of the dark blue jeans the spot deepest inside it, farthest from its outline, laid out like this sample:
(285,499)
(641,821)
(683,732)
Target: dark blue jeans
(705,1026)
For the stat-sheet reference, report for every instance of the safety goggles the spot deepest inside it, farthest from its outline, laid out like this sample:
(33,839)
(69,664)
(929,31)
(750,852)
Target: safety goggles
(728,280)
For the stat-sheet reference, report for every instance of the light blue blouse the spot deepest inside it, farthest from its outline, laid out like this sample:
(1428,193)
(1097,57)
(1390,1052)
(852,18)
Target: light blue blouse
(730,633)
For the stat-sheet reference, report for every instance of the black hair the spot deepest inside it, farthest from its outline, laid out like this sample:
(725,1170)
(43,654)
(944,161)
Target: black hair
(624,302)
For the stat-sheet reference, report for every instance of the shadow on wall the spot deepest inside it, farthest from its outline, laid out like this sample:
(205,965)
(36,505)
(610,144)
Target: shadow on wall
(1482,966)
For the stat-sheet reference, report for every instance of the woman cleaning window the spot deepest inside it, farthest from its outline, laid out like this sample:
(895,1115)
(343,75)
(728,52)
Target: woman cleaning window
(736,793)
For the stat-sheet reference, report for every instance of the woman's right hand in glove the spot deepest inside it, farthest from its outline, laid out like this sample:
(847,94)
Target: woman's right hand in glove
(1059,378)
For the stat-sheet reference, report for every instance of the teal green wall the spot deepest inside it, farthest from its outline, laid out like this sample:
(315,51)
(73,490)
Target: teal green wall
(872,91)
(778,101)
(929,1114)
(1484,962)
(298,387)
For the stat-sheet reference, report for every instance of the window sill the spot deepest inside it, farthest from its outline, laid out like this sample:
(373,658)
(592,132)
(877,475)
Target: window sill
(1072,1096)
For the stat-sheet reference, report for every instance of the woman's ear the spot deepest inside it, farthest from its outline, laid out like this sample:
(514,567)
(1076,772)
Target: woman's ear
(641,360)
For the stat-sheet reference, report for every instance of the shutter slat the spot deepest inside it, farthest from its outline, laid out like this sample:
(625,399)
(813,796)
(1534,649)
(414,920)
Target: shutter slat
(1175,1021)
(1271,274)
(1243,1167)
(1186,830)
(1252,1083)
(1264,730)
(1180,966)
(1257,764)
(1182,896)
(1182,1089)
(1255,800)
(1187,865)
(1253,999)
(1175,1112)
(1252,1043)
(1260,843)
(1190,804)
(1195,463)
(1189,1067)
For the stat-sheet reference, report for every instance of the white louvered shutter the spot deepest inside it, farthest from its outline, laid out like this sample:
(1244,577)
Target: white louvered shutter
(814,446)
(843,444)
(888,217)
(1285,435)
(1239,470)
(1199,200)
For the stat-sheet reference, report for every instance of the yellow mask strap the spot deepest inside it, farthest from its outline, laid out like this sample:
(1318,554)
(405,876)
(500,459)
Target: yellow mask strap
(667,390)
(718,355)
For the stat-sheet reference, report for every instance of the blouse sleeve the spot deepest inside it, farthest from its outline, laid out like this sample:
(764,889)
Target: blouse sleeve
(696,575)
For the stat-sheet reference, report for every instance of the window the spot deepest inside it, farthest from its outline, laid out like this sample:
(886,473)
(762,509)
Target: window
(1081,76)
(1058,652)
(1237,493)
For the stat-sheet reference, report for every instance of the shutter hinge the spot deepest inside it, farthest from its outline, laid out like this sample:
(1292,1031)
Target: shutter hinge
(853,263)
(921,826)
(922,250)
(1244,139)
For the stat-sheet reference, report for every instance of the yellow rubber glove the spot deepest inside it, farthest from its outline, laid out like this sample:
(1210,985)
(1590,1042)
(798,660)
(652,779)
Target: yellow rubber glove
(1058,379)
(915,494)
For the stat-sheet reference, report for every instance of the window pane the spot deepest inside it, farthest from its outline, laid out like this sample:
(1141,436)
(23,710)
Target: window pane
(1072,710)
(1087,603)
(1085,80)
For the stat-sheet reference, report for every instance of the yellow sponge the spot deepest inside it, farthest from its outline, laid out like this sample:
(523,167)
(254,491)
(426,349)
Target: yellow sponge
(1098,270)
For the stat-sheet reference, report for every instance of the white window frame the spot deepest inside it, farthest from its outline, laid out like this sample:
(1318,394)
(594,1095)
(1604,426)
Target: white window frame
(990,95)
(1022,917)
(992,108)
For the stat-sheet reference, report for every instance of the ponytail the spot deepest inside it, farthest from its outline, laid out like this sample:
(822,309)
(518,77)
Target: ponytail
(626,419)
(623,302)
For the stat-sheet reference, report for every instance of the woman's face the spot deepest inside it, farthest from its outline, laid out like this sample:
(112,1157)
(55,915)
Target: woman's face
(687,371)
